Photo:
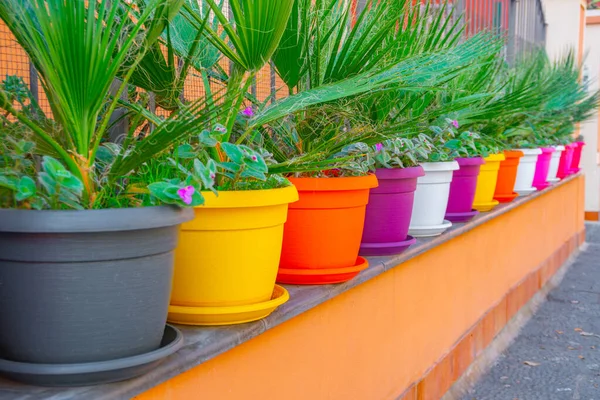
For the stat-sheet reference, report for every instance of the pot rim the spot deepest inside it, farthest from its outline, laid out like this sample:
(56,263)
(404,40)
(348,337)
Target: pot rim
(441,166)
(530,152)
(399,173)
(249,198)
(469,161)
(495,157)
(546,150)
(335,183)
(513,154)
(87,221)
(559,148)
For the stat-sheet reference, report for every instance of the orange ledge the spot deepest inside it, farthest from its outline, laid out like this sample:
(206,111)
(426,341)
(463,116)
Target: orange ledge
(592,216)
(410,332)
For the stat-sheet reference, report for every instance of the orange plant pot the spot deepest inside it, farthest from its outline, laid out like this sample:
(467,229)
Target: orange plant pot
(507,176)
(322,235)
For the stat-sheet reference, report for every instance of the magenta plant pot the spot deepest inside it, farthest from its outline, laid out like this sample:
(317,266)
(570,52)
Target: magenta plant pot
(389,211)
(540,179)
(566,158)
(576,157)
(462,189)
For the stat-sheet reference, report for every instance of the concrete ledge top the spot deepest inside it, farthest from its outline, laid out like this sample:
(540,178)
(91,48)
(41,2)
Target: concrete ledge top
(202,344)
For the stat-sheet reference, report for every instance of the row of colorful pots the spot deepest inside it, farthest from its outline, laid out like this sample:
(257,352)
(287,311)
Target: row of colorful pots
(86,293)
(239,243)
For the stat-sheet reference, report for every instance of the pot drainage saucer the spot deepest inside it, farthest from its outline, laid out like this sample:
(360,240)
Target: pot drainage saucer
(321,276)
(461,217)
(486,206)
(525,192)
(386,249)
(542,186)
(228,315)
(506,198)
(93,373)
(427,231)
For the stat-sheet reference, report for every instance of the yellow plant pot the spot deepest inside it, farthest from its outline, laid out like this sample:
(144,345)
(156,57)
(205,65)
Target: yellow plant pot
(486,183)
(228,256)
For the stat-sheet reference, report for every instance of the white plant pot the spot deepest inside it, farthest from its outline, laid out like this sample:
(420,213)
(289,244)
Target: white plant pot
(526,171)
(431,199)
(554,161)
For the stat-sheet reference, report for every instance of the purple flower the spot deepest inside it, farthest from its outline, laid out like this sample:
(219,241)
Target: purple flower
(186,194)
(221,129)
(378,147)
(212,175)
(455,123)
(254,158)
(248,112)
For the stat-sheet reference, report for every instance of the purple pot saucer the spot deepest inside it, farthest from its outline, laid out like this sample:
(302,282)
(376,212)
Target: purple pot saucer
(386,249)
(461,217)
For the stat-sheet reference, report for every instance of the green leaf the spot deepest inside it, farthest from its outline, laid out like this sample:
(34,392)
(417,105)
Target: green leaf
(186,151)
(73,184)
(54,168)
(26,189)
(233,152)
(48,183)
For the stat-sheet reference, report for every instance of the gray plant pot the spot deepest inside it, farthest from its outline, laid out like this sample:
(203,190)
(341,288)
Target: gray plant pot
(85,286)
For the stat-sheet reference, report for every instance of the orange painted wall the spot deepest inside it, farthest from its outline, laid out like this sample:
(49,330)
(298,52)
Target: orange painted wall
(377,339)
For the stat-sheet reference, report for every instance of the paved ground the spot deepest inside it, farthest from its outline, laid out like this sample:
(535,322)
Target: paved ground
(557,354)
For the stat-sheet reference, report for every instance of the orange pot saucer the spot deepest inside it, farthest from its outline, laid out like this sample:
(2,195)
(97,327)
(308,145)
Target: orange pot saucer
(506,198)
(321,276)
(228,315)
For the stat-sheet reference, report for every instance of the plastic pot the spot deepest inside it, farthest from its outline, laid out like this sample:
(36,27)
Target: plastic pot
(85,286)
(526,171)
(228,257)
(566,159)
(554,162)
(507,176)
(388,212)
(323,232)
(542,167)
(462,189)
(486,183)
(576,157)
(431,199)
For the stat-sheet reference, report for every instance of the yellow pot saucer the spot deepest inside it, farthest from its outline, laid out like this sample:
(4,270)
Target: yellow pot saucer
(228,315)
(486,206)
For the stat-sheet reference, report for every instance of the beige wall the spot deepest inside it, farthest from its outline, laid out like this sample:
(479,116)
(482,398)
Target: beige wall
(590,129)
(563,21)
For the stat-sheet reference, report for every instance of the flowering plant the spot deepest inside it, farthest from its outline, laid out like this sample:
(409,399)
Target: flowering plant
(401,152)
(446,143)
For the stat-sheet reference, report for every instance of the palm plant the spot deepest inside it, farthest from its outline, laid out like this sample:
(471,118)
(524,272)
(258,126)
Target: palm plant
(77,80)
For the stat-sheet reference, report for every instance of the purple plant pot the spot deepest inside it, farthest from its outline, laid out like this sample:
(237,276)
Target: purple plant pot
(576,157)
(389,211)
(541,168)
(566,158)
(462,189)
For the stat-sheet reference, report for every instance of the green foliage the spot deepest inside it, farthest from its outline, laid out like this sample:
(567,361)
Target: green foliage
(401,152)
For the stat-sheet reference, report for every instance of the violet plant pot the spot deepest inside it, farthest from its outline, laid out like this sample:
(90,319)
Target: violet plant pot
(576,157)
(542,167)
(526,171)
(554,162)
(388,212)
(462,189)
(85,286)
(431,200)
(566,158)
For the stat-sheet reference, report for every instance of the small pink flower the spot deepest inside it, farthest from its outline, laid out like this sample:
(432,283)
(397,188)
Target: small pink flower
(378,147)
(254,158)
(186,194)
(248,112)
(221,129)
(212,175)
(455,123)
